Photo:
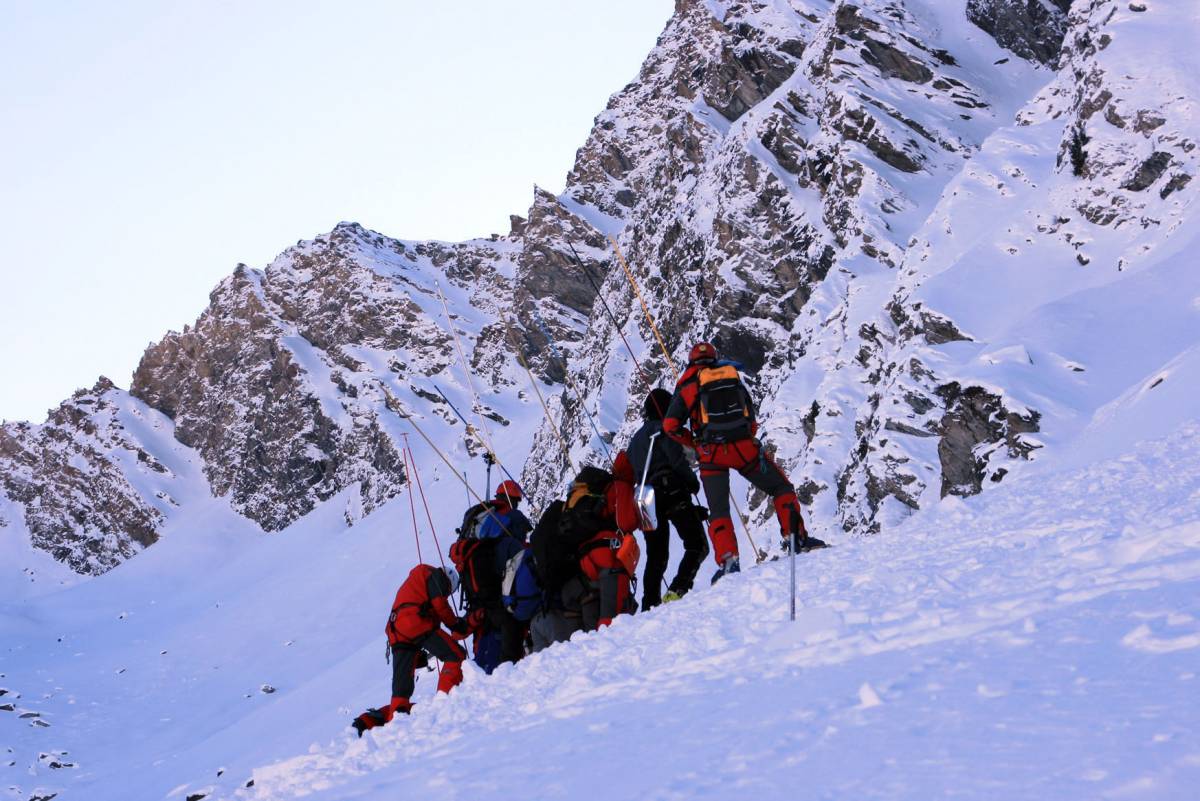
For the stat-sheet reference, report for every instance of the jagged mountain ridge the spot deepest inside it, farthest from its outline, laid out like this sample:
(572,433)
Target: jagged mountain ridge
(777,175)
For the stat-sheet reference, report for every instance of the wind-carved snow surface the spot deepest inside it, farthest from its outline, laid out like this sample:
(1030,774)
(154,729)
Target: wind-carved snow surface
(1024,644)
(1039,640)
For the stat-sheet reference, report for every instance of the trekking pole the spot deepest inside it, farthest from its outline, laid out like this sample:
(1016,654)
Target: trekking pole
(412,502)
(489,460)
(537,319)
(533,382)
(612,317)
(478,438)
(478,405)
(393,406)
(792,566)
(759,555)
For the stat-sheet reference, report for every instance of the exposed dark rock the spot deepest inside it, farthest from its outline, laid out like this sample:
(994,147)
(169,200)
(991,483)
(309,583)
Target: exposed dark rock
(1148,172)
(1032,29)
(894,63)
(976,417)
(1177,182)
(743,79)
(940,330)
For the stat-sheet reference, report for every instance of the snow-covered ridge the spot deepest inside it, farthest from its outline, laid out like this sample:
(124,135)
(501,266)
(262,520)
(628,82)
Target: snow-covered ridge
(826,190)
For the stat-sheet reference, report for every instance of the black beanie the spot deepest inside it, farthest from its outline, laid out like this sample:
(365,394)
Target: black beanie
(655,406)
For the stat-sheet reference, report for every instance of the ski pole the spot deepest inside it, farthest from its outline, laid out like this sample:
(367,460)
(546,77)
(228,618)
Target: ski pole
(537,319)
(466,370)
(475,433)
(645,309)
(612,317)
(412,502)
(792,566)
(393,405)
(533,382)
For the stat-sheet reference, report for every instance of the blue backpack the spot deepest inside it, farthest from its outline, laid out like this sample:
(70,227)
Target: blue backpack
(512,523)
(520,592)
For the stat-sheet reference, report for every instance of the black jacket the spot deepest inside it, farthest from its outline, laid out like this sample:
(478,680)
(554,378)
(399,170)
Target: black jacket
(668,463)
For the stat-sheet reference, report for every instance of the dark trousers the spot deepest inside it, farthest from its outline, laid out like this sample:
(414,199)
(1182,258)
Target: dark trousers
(674,509)
(437,644)
(501,640)
(405,657)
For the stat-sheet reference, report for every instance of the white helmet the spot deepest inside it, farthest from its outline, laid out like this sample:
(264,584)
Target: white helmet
(452,574)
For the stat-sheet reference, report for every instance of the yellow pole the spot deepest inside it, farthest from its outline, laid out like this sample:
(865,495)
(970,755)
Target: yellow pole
(645,309)
(758,555)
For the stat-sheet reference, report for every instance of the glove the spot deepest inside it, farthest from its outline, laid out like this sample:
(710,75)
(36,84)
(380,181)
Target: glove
(476,620)
(701,512)
(460,627)
(682,436)
(692,483)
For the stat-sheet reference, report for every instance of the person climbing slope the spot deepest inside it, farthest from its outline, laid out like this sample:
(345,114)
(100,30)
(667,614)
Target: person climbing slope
(414,632)
(674,484)
(600,514)
(491,535)
(711,398)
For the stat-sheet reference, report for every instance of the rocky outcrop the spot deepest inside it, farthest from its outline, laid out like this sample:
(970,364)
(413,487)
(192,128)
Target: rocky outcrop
(1032,29)
(75,478)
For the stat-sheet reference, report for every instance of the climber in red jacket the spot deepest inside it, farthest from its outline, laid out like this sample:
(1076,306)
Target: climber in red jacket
(711,398)
(414,632)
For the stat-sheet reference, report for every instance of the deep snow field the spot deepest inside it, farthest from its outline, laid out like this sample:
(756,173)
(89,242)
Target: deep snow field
(1039,641)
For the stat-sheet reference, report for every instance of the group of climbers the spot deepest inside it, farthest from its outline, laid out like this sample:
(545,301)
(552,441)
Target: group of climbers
(525,587)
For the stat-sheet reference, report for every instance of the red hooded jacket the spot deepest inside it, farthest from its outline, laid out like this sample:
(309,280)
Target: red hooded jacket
(421,606)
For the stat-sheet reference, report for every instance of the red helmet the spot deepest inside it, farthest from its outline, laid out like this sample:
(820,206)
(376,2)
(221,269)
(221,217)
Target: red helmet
(702,352)
(509,489)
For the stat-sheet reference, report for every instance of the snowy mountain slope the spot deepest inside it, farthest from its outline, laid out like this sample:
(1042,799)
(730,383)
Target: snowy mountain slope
(1037,640)
(896,181)
(1065,285)
(1018,645)
(775,228)
(948,269)
(277,391)
(95,483)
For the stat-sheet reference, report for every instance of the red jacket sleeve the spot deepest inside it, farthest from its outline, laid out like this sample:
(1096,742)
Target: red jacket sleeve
(678,415)
(443,612)
(437,585)
(622,506)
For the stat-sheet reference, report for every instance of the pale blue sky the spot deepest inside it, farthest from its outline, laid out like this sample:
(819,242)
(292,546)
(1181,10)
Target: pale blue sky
(147,147)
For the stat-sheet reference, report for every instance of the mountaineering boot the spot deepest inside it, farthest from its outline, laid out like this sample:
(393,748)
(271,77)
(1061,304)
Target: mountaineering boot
(731,565)
(671,596)
(804,542)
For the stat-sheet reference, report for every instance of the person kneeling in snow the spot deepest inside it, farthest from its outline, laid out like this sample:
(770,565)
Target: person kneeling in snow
(414,632)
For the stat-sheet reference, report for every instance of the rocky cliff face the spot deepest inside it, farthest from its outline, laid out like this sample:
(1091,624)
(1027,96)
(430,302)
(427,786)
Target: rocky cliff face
(881,208)
(1031,29)
(93,482)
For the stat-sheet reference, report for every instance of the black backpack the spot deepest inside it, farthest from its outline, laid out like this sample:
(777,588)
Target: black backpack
(552,562)
(481,581)
(473,520)
(585,512)
(722,407)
